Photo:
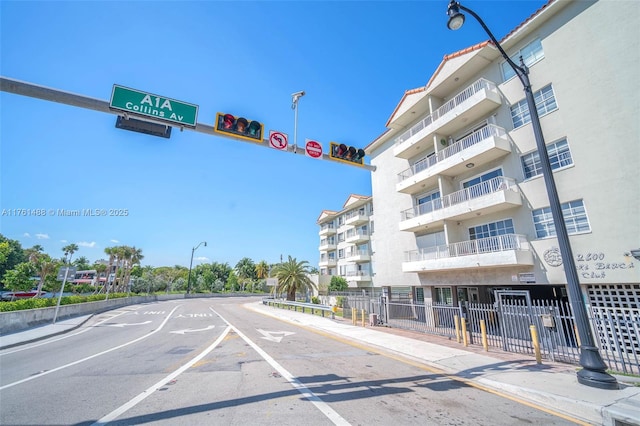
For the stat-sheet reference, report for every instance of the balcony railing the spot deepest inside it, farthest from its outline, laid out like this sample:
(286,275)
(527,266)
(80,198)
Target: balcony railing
(357,274)
(460,98)
(490,186)
(507,242)
(467,142)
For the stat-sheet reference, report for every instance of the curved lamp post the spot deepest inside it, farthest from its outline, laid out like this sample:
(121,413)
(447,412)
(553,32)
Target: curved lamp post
(191,264)
(593,372)
(295,97)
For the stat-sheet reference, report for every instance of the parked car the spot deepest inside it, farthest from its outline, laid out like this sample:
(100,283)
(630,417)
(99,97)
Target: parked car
(16,295)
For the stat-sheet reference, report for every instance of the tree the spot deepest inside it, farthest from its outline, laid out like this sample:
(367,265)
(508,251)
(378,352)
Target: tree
(111,252)
(82,263)
(11,254)
(293,276)
(20,277)
(262,270)
(338,284)
(43,266)
(68,251)
(246,271)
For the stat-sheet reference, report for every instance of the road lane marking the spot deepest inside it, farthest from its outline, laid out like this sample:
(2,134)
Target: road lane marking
(324,408)
(274,336)
(142,396)
(421,364)
(62,367)
(121,325)
(65,336)
(192,330)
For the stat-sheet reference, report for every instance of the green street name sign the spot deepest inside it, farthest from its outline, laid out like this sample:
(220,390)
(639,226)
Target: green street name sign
(154,106)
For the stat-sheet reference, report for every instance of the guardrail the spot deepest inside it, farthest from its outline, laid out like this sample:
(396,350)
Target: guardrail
(287,304)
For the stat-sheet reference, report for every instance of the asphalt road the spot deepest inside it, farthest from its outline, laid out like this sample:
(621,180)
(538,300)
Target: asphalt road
(214,362)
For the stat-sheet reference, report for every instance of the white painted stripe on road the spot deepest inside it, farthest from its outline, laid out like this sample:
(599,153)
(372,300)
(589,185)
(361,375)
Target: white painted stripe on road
(92,356)
(135,401)
(66,336)
(324,408)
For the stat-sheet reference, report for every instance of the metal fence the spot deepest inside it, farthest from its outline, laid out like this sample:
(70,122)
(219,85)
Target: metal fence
(508,326)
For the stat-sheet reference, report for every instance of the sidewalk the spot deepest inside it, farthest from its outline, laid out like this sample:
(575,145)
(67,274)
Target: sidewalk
(550,385)
(43,331)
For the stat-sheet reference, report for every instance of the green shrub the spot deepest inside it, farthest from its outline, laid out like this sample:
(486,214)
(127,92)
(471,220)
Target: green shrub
(315,299)
(340,301)
(20,305)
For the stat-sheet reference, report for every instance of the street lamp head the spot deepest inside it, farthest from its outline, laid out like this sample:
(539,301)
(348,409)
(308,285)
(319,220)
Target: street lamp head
(205,243)
(456,19)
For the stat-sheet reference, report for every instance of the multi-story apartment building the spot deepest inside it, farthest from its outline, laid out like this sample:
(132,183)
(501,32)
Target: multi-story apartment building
(345,248)
(461,205)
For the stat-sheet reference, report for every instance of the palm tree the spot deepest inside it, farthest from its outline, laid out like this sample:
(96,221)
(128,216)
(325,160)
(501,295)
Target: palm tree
(293,277)
(262,270)
(68,252)
(82,263)
(44,266)
(111,251)
(246,271)
(100,269)
(133,256)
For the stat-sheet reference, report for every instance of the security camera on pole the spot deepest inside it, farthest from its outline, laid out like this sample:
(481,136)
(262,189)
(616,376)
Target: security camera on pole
(294,106)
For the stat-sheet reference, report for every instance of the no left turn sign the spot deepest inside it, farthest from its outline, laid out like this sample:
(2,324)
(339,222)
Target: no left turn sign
(278,140)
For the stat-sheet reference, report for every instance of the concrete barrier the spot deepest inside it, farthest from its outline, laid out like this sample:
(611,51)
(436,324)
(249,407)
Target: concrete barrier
(13,321)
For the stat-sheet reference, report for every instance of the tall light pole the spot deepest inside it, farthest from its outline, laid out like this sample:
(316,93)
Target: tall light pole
(594,369)
(295,97)
(191,264)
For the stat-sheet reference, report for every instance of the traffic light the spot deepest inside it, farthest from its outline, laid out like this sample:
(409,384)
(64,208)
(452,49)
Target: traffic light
(240,127)
(342,152)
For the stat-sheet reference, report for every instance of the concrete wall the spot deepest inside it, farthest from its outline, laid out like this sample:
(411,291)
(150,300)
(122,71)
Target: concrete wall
(14,321)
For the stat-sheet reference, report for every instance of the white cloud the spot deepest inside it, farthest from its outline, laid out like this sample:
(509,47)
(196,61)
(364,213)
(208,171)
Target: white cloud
(64,241)
(27,235)
(92,244)
(114,241)
(202,259)
(42,236)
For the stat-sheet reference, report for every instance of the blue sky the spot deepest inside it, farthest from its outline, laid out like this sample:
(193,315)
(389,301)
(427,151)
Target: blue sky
(354,60)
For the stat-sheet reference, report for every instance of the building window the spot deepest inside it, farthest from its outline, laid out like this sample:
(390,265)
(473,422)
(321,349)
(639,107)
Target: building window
(341,254)
(545,103)
(443,295)
(559,156)
(531,54)
(493,229)
(575,219)
(428,202)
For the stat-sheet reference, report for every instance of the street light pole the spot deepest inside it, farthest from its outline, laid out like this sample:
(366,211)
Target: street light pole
(593,372)
(295,97)
(191,264)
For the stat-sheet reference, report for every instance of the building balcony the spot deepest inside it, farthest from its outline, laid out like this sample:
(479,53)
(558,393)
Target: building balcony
(480,147)
(326,230)
(497,194)
(468,106)
(327,263)
(357,237)
(491,252)
(357,256)
(358,276)
(327,246)
(356,218)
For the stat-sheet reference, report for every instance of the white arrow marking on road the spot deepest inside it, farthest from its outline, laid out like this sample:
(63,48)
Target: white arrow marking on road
(122,325)
(189,330)
(274,336)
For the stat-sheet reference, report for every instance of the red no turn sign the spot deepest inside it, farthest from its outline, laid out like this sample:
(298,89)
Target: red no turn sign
(313,149)
(278,140)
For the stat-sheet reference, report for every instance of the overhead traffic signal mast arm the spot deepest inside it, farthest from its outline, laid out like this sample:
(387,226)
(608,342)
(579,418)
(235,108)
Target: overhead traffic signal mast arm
(22,88)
